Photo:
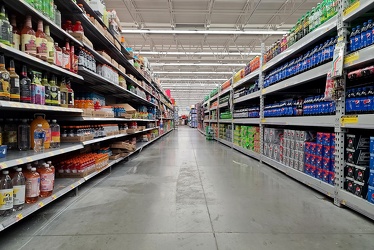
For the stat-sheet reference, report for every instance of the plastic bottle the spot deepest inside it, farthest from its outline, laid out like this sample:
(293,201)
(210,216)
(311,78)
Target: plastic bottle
(19,190)
(357,101)
(64,93)
(6,194)
(25,86)
(47,179)
(70,94)
(39,137)
(364,102)
(24,136)
(16,33)
(40,119)
(363,39)
(41,40)
(10,134)
(6,28)
(47,87)
(370,105)
(37,89)
(358,38)
(50,45)
(28,38)
(55,134)
(54,92)
(369,32)
(14,83)
(58,55)
(32,185)
(352,40)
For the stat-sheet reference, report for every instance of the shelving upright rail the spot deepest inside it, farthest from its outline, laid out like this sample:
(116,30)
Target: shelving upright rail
(339,122)
(90,81)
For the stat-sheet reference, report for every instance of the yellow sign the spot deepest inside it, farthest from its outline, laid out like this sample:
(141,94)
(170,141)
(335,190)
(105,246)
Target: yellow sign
(263,120)
(263,91)
(41,204)
(3,165)
(54,197)
(19,217)
(351,8)
(351,58)
(349,119)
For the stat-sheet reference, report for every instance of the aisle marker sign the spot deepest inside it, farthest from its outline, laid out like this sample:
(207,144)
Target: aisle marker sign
(351,8)
(349,119)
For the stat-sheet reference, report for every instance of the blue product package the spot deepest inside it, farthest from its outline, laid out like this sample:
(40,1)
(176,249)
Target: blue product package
(371,178)
(371,194)
(371,162)
(3,151)
(371,147)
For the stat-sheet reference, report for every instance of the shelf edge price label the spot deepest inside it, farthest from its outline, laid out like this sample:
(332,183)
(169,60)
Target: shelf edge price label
(263,120)
(263,91)
(54,197)
(349,119)
(343,202)
(19,217)
(3,165)
(40,204)
(19,161)
(351,8)
(351,58)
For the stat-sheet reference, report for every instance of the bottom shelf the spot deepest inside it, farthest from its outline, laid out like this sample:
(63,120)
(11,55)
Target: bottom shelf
(63,186)
(227,143)
(201,131)
(247,152)
(356,203)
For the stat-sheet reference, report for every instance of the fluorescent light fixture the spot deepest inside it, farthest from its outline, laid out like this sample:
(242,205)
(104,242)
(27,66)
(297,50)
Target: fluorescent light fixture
(190,79)
(199,53)
(188,72)
(206,32)
(198,64)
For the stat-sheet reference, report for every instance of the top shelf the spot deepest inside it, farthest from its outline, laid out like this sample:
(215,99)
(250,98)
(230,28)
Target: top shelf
(357,9)
(312,37)
(247,78)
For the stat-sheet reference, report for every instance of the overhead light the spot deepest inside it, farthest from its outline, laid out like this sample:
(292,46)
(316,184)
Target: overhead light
(199,53)
(198,64)
(188,72)
(207,32)
(190,79)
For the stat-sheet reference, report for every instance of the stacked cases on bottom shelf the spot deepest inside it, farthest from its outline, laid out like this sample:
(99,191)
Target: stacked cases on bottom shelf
(357,160)
(320,157)
(247,137)
(225,132)
(370,196)
(272,140)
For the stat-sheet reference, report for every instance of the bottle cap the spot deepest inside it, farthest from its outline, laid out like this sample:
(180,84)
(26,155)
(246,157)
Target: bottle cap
(5,172)
(39,125)
(46,165)
(33,169)
(54,121)
(19,170)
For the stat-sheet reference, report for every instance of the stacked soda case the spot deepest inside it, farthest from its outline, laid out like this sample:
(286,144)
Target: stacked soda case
(251,112)
(313,58)
(320,158)
(237,135)
(224,99)
(357,161)
(361,36)
(250,138)
(225,115)
(272,141)
(225,132)
(292,148)
(370,195)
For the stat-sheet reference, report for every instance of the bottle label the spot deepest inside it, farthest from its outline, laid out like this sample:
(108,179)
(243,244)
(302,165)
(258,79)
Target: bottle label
(6,199)
(55,136)
(41,46)
(16,41)
(19,193)
(11,136)
(37,94)
(25,91)
(63,97)
(54,95)
(58,58)
(51,50)
(32,187)
(39,135)
(48,95)
(28,43)
(71,98)
(14,91)
(4,86)
(66,61)
(5,32)
(46,182)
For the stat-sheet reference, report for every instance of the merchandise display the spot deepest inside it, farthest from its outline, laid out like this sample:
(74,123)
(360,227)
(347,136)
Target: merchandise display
(63,100)
(298,88)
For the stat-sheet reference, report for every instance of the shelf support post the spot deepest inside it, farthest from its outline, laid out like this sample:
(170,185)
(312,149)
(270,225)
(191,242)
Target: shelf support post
(262,99)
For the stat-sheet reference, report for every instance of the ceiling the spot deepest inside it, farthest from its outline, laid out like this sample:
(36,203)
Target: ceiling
(227,51)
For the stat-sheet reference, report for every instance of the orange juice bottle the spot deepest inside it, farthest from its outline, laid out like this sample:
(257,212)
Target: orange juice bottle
(47,179)
(32,185)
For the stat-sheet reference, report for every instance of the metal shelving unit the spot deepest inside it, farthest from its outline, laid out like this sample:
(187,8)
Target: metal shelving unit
(227,143)
(7,105)
(339,122)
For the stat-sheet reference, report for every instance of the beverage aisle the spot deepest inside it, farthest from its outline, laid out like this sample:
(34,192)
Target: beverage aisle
(184,192)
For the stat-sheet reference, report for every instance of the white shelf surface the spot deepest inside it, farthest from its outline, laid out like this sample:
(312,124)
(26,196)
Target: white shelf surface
(314,183)
(225,120)
(247,97)
(307,76)
(85,118)
(303,43)
(213,108)
(358,121)
(213,98)
(247,78)
(357,10)
(23,106)
(246,121)
(227,143)
(247,152)
(312,121)
(360,57)
(225,91)
(223,105)
(63,186)
(356,203)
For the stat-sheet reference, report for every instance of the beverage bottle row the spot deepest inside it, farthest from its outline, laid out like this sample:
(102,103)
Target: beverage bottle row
(46,7)
(86,60)
(360,100)
(319,55)
(361,37)
(18,187)
(306,24)
(23,136)
(316,105)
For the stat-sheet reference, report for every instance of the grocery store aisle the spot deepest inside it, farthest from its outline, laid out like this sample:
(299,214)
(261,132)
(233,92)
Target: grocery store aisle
(184,192)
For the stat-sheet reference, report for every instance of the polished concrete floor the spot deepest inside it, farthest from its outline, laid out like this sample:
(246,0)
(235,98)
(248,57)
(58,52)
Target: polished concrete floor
(184,192)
